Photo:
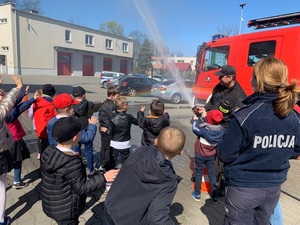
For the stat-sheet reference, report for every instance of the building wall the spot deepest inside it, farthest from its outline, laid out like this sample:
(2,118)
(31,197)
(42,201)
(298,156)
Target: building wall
(156,61)
(7,32)
(36,41)
(191,60)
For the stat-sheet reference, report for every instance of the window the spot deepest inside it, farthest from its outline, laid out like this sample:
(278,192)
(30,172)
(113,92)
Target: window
(4,48)
(215,58)
(89,40)
(68,36)
(3,20)
(260,50)
(125,47)
(108,44)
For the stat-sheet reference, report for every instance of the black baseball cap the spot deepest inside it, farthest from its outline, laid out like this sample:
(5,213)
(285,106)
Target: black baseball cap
(78,91)
(65,128)
(226,70)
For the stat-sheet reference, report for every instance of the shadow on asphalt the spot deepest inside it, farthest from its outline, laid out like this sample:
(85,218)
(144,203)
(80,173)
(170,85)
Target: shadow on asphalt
(208,210)
(28,199)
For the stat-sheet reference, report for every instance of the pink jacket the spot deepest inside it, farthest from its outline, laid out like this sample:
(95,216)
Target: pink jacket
(16,130)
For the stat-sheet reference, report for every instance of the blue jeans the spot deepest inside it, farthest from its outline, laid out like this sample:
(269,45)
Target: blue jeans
(89,148)
(244,206)
(17,171)
(276,217)
(209,163)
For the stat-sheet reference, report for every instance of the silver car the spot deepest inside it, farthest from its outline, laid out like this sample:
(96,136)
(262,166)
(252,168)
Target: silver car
(107,77)
(174,91)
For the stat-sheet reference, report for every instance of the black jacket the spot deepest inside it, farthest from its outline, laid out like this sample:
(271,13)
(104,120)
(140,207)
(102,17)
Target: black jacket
(120,125)
(151,126)
(85,108)
(143,189)
(234,96)
(64,184)
(106,111)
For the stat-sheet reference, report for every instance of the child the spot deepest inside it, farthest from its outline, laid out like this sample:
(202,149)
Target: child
(39,93)
(43,111)
(6,142)
(208,135)
(119,128)
(64,183)
(146,184)
(154,123)
(64,106)
(104,115)
(85,108)
(20,150)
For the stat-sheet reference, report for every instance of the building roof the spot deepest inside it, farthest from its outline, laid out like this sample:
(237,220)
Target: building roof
(180,66)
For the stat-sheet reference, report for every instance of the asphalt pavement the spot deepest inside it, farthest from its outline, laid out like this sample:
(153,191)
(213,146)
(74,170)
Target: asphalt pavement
(24,206)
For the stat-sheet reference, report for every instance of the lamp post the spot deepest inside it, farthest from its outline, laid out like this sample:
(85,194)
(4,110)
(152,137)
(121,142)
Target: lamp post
(241,19)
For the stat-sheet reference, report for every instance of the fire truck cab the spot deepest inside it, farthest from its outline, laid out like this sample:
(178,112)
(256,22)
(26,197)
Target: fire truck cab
(243,51)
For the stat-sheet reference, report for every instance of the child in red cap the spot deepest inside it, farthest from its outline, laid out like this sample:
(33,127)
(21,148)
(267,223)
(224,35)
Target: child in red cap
(209,132)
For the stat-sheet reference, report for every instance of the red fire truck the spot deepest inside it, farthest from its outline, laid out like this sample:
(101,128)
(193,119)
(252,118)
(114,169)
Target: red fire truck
(243,51)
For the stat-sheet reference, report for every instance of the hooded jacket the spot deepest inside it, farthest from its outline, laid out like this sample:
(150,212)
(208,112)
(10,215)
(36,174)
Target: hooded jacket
(208,137)
(143,189)
(258,144)
(151,126)
(64,184)
(43,111)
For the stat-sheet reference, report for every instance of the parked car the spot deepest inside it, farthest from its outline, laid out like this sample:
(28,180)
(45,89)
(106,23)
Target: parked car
(107,77)
(114,82)
(174,91)
(161,78)
(133,85)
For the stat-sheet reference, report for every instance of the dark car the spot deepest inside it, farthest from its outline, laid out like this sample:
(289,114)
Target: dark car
(133,85)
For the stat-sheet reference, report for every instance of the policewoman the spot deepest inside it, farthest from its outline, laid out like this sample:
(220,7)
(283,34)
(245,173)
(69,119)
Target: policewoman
(260,140)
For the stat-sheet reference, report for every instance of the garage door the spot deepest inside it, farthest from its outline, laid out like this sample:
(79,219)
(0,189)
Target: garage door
(64,63)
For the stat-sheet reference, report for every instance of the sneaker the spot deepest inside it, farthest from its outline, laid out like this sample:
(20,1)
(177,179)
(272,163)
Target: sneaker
(214,201)
(196,196)
(214,197)
(92,173)
(20,185)
(6,221)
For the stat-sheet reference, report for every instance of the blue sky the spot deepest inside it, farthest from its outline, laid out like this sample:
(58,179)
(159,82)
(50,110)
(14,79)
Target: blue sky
(181,25)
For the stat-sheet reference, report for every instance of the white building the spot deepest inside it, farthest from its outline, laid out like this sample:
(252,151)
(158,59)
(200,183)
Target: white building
(31,44)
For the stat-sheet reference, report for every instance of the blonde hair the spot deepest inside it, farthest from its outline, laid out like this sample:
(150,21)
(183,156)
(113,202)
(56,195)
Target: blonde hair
(120,102)
(271,75)
(170,141)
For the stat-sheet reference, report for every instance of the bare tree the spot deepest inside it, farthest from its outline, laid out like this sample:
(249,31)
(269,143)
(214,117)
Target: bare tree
(112,27)
(25,5)
(138,38)
(229,29)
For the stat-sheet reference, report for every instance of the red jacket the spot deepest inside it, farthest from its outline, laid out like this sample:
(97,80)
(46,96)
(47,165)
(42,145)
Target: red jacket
(43,111)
